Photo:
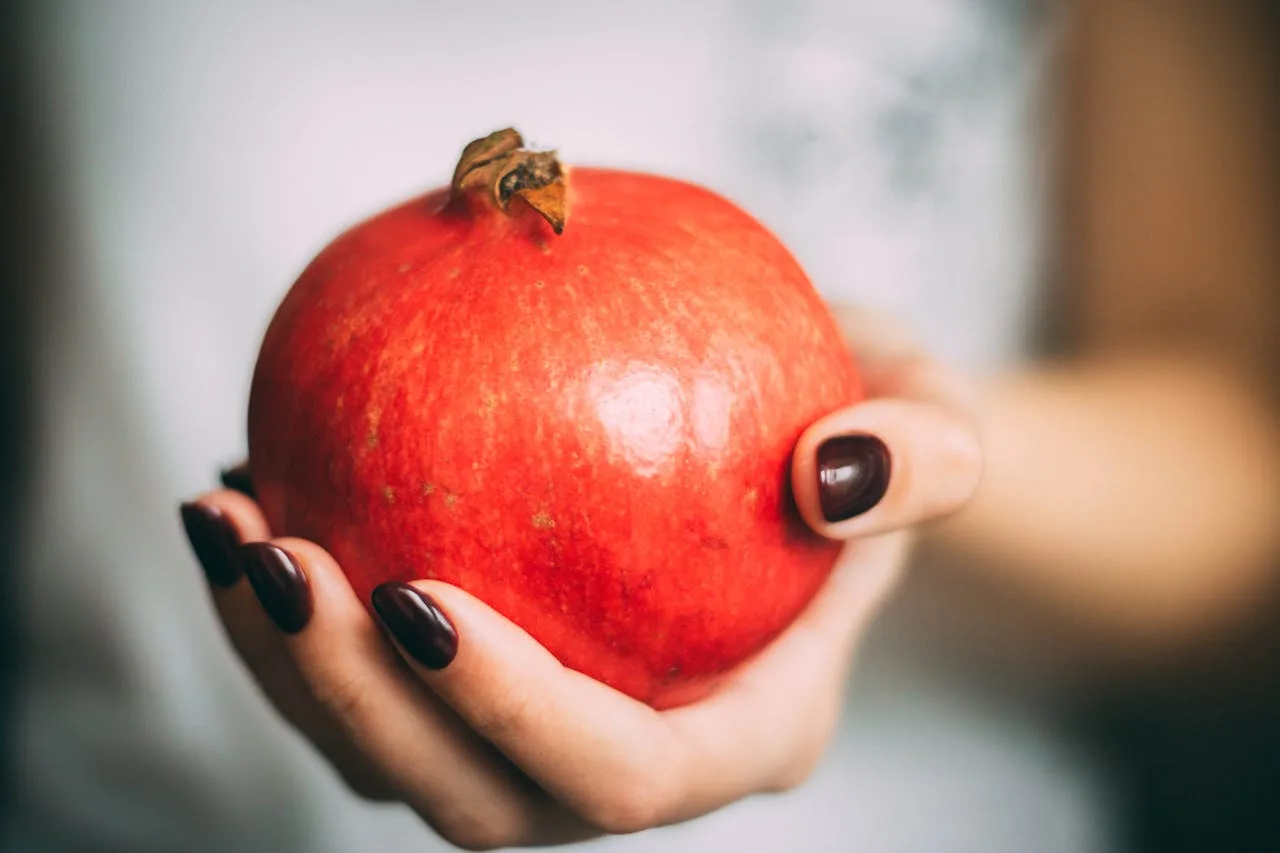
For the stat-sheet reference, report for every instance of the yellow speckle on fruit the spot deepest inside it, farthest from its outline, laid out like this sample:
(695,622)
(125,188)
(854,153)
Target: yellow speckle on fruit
(428,488)
(450,499)
(388,494)
(404,268)
(454,272)
(374,418)
(582,270)
(543,521)
(538,285)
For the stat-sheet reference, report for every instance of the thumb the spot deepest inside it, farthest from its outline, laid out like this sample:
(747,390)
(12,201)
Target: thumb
(883,465)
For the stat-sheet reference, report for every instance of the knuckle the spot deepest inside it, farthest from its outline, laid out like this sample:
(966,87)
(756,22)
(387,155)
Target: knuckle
(508,718)
(628,808)
(347,698)
(470,830)
(340,750)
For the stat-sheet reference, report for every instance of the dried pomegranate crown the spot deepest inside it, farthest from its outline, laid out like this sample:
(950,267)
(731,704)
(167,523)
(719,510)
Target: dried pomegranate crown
(501,167)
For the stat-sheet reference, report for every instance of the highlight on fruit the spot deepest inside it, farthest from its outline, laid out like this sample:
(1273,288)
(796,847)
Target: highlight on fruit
(572,391)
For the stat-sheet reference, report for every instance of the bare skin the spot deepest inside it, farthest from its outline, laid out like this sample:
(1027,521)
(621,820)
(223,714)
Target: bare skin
(1133,483)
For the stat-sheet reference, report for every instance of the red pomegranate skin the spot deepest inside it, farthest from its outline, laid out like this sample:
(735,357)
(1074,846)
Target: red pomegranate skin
(591,432)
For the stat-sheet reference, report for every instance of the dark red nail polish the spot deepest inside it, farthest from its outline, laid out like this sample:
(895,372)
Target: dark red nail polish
(280,584)
(417,623)
(214,542)
(237,479)
(853,475)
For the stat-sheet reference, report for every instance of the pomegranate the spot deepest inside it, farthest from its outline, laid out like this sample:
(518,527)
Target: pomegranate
(573,393)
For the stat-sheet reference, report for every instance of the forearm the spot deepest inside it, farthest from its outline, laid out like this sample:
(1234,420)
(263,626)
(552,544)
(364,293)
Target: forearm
(1135,490)
(1138,500)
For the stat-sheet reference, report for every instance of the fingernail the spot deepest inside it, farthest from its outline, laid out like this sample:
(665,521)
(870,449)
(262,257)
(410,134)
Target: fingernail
(237,479)
(280,584)
(417,624)
(853,475)
(214,542)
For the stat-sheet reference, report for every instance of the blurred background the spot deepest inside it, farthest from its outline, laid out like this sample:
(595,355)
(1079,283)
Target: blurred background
(170,167)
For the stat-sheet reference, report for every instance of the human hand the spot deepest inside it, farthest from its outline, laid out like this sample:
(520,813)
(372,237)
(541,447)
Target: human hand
(478,728)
